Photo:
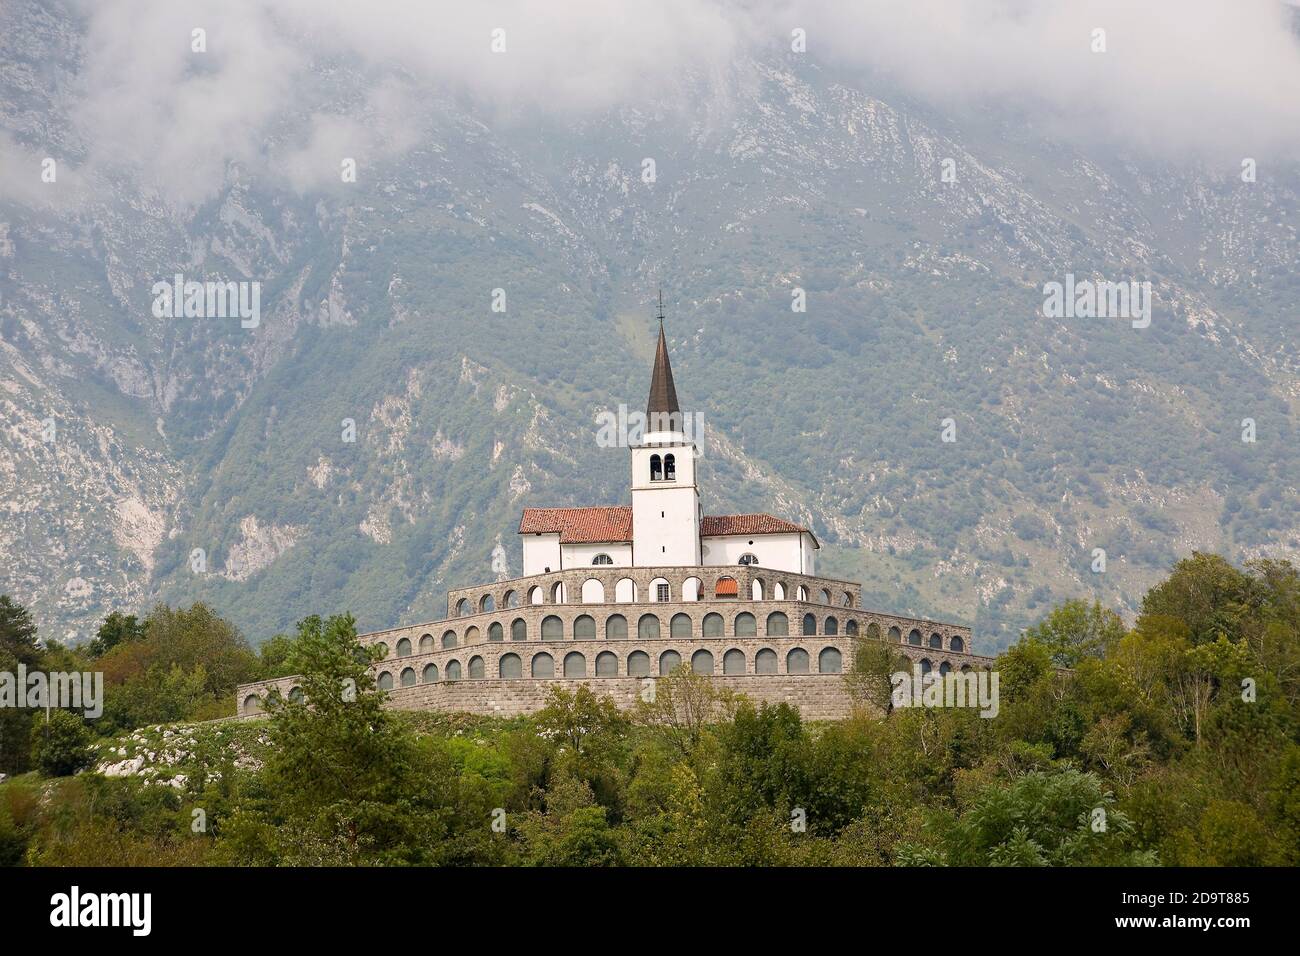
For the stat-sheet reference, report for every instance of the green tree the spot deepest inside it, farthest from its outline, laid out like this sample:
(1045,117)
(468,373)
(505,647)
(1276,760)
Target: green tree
(1076,630)
(61,744)
(117,628)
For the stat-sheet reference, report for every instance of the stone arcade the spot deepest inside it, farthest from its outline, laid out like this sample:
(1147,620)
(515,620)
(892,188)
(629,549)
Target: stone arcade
(613,596)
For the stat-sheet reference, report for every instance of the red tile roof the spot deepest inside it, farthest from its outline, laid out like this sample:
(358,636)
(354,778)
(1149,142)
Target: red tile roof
(579,525)
(714,526)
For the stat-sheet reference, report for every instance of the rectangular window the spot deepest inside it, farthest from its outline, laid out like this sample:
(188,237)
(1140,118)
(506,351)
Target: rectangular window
(663,592)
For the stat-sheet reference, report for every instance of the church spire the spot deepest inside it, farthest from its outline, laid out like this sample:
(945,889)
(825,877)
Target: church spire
(663,393)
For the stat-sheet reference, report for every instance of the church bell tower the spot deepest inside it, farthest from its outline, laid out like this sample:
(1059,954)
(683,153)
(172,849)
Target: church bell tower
(666,508)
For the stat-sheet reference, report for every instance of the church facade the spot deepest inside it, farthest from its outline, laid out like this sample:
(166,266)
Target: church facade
(616,596)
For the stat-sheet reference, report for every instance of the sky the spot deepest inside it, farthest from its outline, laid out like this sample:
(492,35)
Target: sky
(284,82)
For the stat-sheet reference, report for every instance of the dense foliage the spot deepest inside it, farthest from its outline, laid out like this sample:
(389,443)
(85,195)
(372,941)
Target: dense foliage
(1174,742)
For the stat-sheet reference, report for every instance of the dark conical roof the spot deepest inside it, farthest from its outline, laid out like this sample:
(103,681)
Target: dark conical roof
(663,393)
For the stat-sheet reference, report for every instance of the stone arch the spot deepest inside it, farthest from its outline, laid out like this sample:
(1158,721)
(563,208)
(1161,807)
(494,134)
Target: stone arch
(757,589)
(408,677)
(647,629)
(680,626)
(430,674)
(543,665)
(796,662)
(487,604)
(965,669)
(914,638)
(638,664)
(616,628)
(427,644)
(944,669)
(385,681)
(510,667)
(744,625)
(691,589)
(519,629)
(851,627)
(606,664)
(713,625)
(765,661)
(936,641)
(801,594)
(584,628)
(926,666)
(453,670)
(495,632)
(471,635)
(449,639)
(668,662)
(656,586)
(809,624)
(593,592)
(873,631)
(726,587)
(404,647)
(733,662)
(575,665)
(296,696)
(557,592)
(383,649)
(475,667)
(847,600)
(511,599)
(462,607)
(253,704)
(656,468)
(778,625)
(957,644)
(625,591)
(536,595)
(826,595)
(830,661)
(896,635)
(702,662)
(778,591)
(831,626)
(552,628)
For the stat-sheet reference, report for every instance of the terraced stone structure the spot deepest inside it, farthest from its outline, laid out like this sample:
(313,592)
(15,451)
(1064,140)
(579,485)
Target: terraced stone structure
(615,597)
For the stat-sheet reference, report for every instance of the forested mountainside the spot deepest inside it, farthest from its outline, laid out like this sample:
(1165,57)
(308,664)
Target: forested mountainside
(924,303)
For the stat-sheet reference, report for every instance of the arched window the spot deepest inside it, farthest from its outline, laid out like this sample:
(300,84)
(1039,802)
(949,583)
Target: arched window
(296,695)
(510,667)
(462,607)
(660,591)
(801,594)
(487,603)
(552,628)
(668,662)
(702,663)
(680,625)
(253,703)
(936,641)
(518,629)
(832,626)
(748,558)
(430,673)
(851,628)
(404,647)
(809,624)
(778,625)
(471,635)
(848,599)
(536,595)
(495,631)
(511,599)
(638,664)
(726,587)
(765,661)
(602,559)
(557,593)
(408,677)
(584,628)
(958,644)
(744,625)
(606,664)
(593,592)
(691,589)
(647,629)
(756,589)
(826,596)
(670,467)
(383,650)
(453,670)
(778,591)
(712,625)
(965,669)
(873,631)
(895,635)
(733,662)
(543,665)
(656,468)
(926,666)
(475,667)
(829,661)
(625,591)
(449,639)
(944,668)
(616,628)
(575,665)
(426,644)
(796,662)
(914,638)
(385,681)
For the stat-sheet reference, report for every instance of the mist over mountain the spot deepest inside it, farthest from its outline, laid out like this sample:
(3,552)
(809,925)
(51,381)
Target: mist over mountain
(130,440)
